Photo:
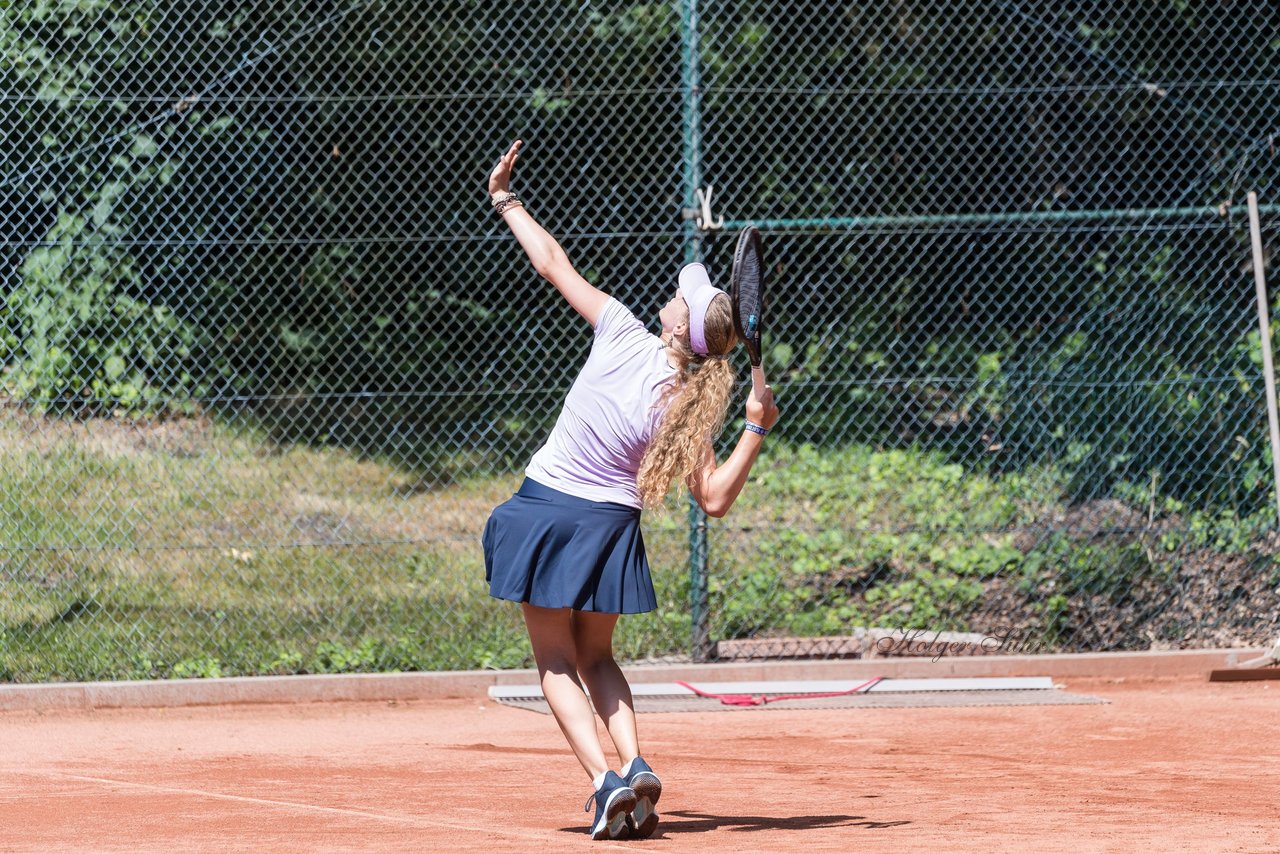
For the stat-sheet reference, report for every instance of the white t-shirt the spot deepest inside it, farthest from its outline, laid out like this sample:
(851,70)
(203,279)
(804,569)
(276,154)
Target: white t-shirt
(609,416)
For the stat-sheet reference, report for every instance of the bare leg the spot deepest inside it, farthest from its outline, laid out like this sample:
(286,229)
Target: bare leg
(552,636)
(593,642)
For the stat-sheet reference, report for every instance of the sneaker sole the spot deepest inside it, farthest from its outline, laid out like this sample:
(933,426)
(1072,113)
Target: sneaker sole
(648,789)
(614,822)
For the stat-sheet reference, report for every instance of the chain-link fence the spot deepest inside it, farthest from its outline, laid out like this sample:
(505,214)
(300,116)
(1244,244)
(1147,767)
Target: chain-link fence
(269,360)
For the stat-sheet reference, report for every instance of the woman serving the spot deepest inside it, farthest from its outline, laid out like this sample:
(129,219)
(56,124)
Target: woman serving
(644,412)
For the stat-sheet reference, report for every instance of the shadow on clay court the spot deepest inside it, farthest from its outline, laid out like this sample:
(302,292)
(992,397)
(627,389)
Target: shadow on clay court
(683,821)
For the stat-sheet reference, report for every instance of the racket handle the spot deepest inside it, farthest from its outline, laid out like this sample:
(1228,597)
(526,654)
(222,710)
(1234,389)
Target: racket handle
(757,381)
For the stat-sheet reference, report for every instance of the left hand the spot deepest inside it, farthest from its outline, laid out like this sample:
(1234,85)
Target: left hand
(500,177)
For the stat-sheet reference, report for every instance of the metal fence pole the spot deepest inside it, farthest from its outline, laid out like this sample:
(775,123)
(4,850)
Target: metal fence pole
(1264,331)
(700,635)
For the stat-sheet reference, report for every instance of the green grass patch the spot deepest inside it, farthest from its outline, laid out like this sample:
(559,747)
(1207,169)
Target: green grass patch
(188,549)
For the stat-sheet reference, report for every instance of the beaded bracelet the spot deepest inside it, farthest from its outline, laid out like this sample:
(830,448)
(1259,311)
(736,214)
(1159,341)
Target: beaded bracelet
(507,203)
(756,428)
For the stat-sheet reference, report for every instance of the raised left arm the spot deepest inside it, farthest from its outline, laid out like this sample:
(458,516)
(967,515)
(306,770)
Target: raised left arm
(544,251)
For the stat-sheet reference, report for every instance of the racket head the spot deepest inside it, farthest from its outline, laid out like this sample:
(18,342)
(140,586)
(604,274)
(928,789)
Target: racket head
(746,290)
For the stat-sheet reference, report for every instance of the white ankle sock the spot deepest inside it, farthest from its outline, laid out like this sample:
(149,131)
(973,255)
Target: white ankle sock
(599,780)
(626,769)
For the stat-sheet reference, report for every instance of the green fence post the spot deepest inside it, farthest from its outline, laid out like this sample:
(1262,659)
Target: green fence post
(700,635)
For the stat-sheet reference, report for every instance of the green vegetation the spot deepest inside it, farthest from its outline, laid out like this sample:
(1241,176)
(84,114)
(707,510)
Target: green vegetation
(1028,408)
(907,539)
(131,561)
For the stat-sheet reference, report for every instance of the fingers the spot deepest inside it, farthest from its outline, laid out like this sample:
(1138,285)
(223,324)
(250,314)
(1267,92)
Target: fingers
(762,409)
(768,405)
(501,174)
(508,160)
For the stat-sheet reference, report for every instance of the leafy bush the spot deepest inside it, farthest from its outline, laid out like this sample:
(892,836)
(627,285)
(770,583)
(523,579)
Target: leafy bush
(80,339)
(859,537)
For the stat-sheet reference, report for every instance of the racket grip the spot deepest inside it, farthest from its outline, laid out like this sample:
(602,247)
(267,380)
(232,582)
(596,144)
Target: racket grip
(757,381)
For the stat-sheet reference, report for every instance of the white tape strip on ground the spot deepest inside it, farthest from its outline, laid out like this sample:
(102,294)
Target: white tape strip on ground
(884,686)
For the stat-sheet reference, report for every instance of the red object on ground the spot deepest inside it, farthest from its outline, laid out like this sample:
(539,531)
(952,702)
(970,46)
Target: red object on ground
(763,699)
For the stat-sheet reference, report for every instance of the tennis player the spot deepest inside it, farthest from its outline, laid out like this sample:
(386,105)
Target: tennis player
(643,412)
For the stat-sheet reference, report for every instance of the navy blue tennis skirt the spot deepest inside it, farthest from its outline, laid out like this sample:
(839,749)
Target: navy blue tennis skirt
(554,550)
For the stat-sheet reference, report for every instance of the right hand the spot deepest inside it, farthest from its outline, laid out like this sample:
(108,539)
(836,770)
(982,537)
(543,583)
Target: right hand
(500,177)
(762,411)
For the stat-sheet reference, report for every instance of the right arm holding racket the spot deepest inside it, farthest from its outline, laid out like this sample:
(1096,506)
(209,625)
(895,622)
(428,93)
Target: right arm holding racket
(714,486)
(548,257)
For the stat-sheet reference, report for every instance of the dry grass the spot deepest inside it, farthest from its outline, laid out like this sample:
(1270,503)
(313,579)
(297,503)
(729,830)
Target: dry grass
(194,484)
(185,546)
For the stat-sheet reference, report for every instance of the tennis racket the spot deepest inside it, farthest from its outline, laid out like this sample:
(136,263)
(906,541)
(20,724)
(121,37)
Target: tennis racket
(746,289)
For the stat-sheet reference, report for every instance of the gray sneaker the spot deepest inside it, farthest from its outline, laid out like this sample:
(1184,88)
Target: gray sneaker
(614,800)
(648,788)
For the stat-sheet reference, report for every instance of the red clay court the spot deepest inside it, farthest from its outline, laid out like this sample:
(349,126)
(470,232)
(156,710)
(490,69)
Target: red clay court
(1174,764)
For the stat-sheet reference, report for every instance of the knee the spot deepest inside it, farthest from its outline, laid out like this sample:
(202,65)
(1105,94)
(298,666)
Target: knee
(558,660)
(592,659)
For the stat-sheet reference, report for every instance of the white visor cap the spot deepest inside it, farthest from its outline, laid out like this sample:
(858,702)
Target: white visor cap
(698,292)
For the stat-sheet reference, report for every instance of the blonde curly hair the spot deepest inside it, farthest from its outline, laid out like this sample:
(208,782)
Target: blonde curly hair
(696,402)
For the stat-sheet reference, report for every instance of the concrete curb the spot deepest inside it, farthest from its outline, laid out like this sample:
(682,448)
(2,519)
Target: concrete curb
(475,684)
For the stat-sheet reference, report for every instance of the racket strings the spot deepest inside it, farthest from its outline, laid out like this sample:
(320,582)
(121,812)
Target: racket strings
(747,288)
(749,307)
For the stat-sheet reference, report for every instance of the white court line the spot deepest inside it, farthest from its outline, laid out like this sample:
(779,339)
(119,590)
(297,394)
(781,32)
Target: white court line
(884,686)
(400,819)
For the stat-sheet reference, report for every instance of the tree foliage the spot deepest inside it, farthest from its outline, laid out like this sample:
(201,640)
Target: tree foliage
(283,206)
